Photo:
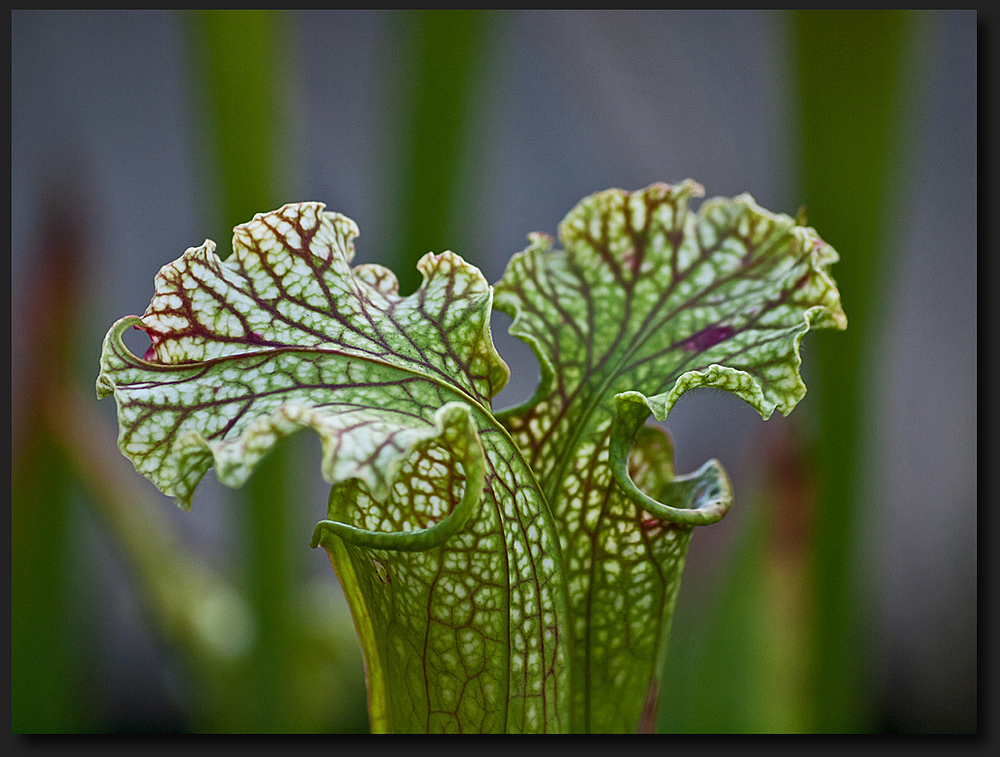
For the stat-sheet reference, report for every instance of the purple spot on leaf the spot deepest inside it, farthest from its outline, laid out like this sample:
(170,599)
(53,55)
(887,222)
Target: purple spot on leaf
(709,337)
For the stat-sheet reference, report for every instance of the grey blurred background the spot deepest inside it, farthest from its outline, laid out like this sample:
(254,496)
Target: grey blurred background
(104,116)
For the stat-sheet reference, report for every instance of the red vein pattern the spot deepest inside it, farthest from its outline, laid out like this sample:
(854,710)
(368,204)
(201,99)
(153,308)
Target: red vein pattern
(465,626)
(647,297)
(502,577)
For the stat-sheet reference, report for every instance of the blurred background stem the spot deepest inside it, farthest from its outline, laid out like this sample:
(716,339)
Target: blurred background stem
(441,52)
(236,57)
(47,680)
(849,67)
(781,642)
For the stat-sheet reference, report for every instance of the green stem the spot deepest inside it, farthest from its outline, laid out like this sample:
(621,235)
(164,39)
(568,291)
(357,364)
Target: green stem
(44,673)
(240,67)
(444,47)
(849,68)
(46,670)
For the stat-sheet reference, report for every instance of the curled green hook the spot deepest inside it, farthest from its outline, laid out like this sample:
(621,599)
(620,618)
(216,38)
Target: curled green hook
(457,430)
(695,499)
